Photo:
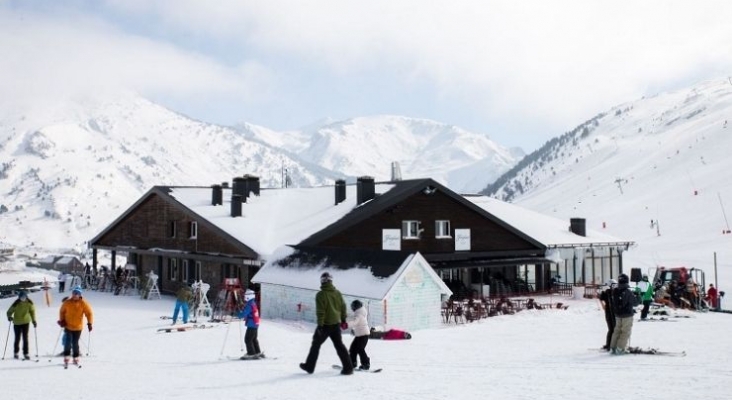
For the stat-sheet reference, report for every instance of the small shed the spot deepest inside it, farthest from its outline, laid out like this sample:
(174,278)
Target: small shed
(399,289)
(70,265)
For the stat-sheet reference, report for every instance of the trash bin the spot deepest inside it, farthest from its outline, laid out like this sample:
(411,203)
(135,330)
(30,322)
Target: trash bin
(578,292)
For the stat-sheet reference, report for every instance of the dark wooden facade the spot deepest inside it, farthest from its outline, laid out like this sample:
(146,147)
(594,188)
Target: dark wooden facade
(156,234)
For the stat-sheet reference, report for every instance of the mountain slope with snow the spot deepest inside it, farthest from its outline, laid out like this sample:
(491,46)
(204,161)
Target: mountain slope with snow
(664,159)
(69,171)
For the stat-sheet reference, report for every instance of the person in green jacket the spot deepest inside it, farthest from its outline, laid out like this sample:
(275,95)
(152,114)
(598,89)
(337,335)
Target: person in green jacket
(330,309)
(22,313)
(645,290)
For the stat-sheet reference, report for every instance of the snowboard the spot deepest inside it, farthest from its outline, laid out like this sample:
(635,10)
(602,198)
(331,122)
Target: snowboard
(373,371)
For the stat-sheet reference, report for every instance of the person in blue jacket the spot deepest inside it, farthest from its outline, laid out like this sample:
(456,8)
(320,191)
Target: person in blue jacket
(250,314)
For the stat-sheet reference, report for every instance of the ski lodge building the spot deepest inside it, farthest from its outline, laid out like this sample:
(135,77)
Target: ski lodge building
(376,239)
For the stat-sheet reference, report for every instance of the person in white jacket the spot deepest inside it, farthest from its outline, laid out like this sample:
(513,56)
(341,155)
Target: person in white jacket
(359,324)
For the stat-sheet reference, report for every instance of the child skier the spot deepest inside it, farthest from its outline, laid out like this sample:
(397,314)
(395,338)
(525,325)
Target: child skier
(358,321)
(250,314)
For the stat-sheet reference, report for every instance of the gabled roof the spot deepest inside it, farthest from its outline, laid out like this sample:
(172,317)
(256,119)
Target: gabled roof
(165,193)
(307,216)
(359,273)
(401,191)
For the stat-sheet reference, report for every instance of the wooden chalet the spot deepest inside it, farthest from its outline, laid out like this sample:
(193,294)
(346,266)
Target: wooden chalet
(474,243)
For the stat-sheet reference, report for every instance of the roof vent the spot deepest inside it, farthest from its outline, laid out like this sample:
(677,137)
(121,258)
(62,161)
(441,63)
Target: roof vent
(578,226)
(340,191)
(236,205)
(365,189)
(396,171)
(217,195)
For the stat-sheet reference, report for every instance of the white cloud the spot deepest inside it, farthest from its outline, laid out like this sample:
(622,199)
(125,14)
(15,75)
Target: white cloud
(553,64)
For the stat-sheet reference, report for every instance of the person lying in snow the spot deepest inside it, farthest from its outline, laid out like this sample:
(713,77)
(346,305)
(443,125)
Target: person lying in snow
(391,334)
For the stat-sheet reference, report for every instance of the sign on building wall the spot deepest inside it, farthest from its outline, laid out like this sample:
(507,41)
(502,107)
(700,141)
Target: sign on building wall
(391,239)
(462,239)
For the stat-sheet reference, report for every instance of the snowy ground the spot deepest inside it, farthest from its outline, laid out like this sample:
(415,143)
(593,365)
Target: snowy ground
(535,354)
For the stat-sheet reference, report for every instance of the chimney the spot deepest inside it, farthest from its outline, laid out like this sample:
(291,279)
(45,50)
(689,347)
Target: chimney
(577,226)
(236,205)
(217,195)
(365,189)
(252,185)
(340,191)
(396,171)
(239,187)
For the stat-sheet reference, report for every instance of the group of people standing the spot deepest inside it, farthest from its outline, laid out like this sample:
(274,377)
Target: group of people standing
(74,309)
(619,303)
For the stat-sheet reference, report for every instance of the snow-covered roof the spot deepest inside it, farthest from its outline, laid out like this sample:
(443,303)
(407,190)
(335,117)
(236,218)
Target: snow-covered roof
(276,217)
(547,230)
(366,274)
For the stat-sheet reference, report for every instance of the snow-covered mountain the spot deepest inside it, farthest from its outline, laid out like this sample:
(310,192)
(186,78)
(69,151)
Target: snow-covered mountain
(462,160)
(71,169)
(664,159)
(68,171)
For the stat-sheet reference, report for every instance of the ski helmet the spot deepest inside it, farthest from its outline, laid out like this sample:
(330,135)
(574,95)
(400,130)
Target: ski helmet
(249,294)
(326,277)
(356,304)
(623,279)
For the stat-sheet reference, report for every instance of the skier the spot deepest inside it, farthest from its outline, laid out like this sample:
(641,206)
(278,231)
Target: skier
(645,290)
(359,323)
(22,313)
(609,316)
(330,308)
(61,282)
(623,302)
(712,296)
(71,318)
(250,314)
(183,297)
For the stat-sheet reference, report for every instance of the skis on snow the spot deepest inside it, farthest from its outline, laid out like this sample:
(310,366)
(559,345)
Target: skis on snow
(373,371)
(647,351)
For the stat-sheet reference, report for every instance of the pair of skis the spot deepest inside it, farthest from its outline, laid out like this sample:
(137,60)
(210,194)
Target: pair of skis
(373,371)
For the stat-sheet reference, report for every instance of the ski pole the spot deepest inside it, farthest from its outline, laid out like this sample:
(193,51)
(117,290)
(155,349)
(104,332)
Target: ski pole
(226,335)
(7,337)
(53,352)
(88,344)
(241,337)
(35,336)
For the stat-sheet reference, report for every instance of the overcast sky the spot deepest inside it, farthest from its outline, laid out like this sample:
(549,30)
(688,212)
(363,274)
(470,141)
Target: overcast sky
(521,72)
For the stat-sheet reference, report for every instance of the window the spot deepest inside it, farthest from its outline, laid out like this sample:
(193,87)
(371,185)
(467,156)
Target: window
(197,272)
(172,269)
(411,230)
(172,227)
(442,229)
(184,271)
(193,229)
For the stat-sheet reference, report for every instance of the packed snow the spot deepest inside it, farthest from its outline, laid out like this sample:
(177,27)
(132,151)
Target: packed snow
(546,354)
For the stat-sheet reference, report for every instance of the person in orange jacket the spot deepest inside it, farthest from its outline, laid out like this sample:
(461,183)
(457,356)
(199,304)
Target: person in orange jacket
(71,318)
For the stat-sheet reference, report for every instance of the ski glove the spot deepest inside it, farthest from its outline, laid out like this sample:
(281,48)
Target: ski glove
(344,326)
(35,324)
(62,324)
(10,319)
(89,326)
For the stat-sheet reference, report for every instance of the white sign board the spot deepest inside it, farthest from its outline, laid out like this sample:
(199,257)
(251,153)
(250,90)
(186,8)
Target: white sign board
(391,239)
(462,239)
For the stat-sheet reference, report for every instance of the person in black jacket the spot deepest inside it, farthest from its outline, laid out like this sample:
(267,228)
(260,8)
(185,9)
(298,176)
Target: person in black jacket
(623,302)
(605,296)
